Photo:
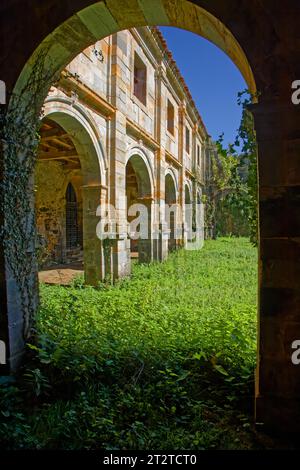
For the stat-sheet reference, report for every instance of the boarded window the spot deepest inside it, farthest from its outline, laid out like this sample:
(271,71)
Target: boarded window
(140,79)
(170,117)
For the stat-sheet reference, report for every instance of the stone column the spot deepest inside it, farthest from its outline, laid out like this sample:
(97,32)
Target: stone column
(18,303)
(121,244)
(160,233)
(117,197)
(181,226)
(94,265)
(278,379)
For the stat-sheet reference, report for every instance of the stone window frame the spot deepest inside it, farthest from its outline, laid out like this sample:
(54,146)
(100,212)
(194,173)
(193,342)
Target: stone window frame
(170,106)
(135,98)
(172,96)
(187,139)
(199,153)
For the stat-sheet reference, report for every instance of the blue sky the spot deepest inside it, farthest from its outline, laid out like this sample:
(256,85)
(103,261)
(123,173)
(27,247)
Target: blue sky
(213,79)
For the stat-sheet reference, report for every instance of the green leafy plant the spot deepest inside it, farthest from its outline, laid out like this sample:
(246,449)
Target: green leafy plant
(162,360)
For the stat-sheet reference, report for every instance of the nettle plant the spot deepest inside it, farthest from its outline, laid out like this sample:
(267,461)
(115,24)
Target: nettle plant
(19,126)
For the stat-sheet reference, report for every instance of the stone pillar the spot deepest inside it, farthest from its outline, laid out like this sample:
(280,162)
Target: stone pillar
(19,297)
(181,193)
(160,233)
(278,379)
(4,317)
(121,264)
(146,245)
(94,264)
(4,322)
(160,228)
(121,245)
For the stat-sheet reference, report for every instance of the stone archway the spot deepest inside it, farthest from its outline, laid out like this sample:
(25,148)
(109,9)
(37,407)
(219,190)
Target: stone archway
(188,213)
(264,34)
(58,204)
(139,195)
(80,129)
(171,210)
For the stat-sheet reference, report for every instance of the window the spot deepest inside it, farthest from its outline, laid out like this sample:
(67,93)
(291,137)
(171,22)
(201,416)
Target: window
(72,229)
(170,116)
(198,155)
(140,79)
(187,140)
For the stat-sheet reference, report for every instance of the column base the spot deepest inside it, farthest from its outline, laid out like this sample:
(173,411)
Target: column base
(145,251)
(160,244)
(121,263)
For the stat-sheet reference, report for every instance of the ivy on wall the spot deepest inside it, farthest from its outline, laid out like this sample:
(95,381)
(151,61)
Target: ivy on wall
(19,125)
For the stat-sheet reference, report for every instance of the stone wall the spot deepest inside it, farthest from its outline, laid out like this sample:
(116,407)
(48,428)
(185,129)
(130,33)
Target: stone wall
(51,182)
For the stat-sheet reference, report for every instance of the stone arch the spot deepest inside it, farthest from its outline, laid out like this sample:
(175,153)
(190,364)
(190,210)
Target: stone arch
(188,193)
(275,66)
(83,27)
(171,209)
(99,20)
(141,163)
(80,126)
(138,163)
(172,179)
(81,129)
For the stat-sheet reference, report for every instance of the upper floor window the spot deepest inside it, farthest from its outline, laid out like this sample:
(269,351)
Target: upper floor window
(198,155)
(140,79)
(170,117)
(187,139)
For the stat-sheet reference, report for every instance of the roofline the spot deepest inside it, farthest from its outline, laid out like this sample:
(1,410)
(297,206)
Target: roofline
(173,66)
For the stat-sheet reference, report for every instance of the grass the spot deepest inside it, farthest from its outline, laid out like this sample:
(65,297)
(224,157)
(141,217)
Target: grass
(164,360)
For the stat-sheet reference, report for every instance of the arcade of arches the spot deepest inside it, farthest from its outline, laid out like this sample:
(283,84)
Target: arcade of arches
(262,39)
(78,145)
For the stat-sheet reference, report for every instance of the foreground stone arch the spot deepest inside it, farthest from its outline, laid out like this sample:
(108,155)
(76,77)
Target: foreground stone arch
(256,36)
(99,20)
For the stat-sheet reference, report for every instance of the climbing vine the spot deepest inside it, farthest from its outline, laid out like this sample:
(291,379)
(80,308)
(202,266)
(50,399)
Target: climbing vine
(19,125)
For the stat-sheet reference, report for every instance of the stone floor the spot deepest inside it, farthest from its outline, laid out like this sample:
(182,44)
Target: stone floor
(61,274)
(64,274)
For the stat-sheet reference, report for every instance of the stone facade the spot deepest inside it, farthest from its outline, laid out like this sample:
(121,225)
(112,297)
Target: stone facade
(121,127)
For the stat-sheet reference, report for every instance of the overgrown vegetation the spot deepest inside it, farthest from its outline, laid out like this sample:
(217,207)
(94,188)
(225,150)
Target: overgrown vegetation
(163,360)
(232,188)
